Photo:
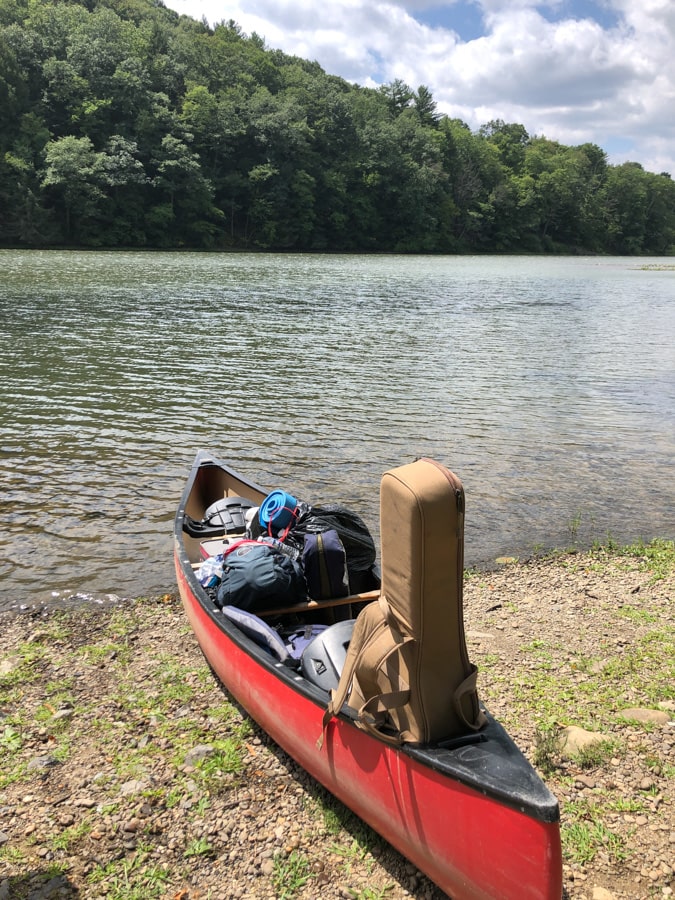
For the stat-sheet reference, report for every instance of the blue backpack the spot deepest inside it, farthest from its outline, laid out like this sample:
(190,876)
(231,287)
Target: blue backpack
(257,576)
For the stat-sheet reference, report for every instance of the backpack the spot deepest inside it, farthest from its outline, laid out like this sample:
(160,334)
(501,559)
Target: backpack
(324,563)
(407,674)
(256,576)
(356,539)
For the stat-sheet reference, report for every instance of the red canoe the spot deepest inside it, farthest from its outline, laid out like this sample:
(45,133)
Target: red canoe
(472,814)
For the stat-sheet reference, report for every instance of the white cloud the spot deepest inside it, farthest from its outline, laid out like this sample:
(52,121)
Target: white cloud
(548,65)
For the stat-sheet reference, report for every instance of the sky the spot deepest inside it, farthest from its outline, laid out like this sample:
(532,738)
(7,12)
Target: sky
(575,71)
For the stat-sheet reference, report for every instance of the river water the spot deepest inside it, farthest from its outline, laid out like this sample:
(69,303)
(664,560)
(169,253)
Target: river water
(546,384)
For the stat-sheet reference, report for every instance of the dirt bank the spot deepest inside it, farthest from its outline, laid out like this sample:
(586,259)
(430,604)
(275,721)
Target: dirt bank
(126,772)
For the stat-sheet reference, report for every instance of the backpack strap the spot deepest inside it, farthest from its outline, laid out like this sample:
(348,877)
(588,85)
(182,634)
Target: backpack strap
(468,687)
(371,711)
(371,716)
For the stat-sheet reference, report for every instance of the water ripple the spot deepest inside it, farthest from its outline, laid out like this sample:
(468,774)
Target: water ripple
(548,385)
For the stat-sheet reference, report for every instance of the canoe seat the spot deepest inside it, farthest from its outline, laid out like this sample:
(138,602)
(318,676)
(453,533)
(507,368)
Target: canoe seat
(311,605)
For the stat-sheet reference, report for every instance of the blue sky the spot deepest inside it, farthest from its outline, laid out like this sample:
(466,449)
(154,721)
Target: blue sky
(573,70)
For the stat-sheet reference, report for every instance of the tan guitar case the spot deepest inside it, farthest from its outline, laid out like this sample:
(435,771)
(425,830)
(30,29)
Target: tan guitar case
(407,673)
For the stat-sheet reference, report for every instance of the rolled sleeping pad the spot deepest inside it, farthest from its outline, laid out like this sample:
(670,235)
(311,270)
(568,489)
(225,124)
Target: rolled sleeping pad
(276,511)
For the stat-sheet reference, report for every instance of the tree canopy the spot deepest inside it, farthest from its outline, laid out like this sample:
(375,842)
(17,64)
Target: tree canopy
(123,123)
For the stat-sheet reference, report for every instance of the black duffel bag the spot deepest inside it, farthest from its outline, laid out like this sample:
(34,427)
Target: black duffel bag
(352,531)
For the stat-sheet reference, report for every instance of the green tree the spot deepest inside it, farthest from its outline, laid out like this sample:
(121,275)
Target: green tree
(426,107)
(399,96)
(639,210)
(660,224)
(13,90)
(185,212)
(72,172)
(124,179)
(511,141)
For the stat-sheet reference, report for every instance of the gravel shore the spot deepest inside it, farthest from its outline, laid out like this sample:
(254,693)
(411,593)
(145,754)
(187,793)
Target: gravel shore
(127,772)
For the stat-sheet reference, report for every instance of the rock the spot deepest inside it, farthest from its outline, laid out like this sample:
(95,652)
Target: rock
(574,739)
(601,893)
(197,754)
(58,886)
(37,636)
(9,664)
(42,763)
(585,781)
(647,716)
(134,787)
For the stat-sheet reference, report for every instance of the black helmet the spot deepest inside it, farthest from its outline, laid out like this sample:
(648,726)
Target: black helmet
(225,515)
(324,657)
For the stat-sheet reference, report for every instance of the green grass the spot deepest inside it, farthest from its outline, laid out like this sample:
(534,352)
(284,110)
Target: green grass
(656,557)
(291,873)
(11,854)
(583,840)
(546,749)
(10,740)
(69,837)
(597,754)
(595,687)
(227,759)
(198,847)
(96,654)
(371,894)
(131,879)
(584,834)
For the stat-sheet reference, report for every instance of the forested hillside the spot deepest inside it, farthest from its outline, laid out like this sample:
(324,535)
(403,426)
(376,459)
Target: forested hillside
(125,124)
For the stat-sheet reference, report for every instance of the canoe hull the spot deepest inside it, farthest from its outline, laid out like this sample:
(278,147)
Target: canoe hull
(471,845)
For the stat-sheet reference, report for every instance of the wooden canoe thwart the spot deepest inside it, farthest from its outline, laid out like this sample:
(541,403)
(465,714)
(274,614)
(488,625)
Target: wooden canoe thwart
(465,806)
